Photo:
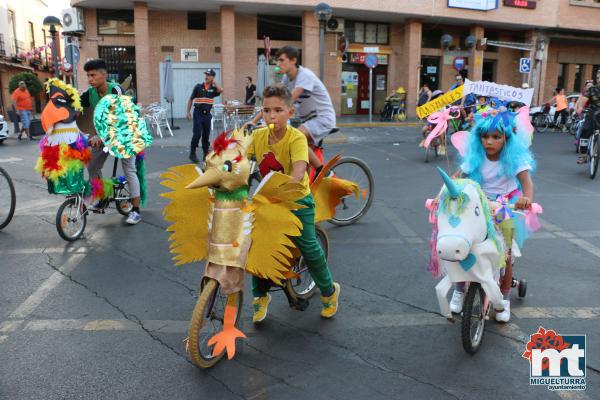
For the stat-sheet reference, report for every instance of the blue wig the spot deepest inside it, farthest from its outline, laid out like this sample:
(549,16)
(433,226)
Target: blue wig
(514,154)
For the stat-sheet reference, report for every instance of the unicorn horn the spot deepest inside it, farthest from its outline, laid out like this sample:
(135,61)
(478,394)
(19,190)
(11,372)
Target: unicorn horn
(450,185)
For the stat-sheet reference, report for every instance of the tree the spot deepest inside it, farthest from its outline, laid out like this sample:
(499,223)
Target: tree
(31,80)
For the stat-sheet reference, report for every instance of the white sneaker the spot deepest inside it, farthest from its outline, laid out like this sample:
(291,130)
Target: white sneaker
(133,218)
(504,316)
(456,304)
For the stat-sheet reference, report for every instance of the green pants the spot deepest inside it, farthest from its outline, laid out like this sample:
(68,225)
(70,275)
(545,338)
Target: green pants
(311,250)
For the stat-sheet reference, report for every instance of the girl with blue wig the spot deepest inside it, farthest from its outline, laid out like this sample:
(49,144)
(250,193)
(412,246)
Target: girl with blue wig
(497,156)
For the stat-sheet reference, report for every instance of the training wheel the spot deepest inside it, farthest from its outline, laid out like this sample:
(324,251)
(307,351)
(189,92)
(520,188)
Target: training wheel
(522,288)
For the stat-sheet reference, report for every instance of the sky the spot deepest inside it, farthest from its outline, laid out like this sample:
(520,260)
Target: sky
(56,6)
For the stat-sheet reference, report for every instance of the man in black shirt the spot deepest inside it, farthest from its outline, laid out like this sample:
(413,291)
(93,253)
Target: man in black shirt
(250,92)
(202,100)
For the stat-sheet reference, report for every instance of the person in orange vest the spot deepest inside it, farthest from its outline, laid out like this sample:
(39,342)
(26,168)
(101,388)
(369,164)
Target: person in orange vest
(22,100)
(561,107)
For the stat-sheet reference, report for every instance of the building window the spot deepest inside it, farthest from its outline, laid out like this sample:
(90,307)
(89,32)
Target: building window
(277,27)
(12,32)
(31,36)
(115,22)
(577,86)
(120,62)
(431,38)
(560,81)
(367,32)
(196,20)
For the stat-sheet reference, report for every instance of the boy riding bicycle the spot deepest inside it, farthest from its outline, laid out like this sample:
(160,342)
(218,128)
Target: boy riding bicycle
(280,147)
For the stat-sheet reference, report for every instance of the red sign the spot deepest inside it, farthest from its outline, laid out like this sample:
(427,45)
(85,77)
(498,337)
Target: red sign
(520,4)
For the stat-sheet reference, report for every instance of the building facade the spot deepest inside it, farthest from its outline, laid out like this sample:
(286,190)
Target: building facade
(560,37)
(23,44)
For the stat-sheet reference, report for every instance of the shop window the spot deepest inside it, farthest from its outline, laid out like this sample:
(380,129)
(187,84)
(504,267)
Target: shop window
(367,32)
(560,81)
(278,27)
(196,20)
(115,22)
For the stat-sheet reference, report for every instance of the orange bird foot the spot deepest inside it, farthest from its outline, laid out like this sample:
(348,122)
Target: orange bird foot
(225,340)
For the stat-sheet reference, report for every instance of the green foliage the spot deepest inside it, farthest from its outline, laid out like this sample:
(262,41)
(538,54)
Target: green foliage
(31,80)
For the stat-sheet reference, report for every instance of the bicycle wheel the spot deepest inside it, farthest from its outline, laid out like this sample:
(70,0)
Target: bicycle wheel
(8,198)
(593,154)
(71,219)
(123,201)
(351,208)
(207,320)
(473,320)
(540,122)
(303,286)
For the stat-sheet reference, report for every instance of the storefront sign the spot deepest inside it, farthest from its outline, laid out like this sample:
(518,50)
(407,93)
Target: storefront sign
(459,63)
(431,69)
(359,58)
(502,92)
(189,55)
(481,5)
(371,49)
(520,4)
(437,104)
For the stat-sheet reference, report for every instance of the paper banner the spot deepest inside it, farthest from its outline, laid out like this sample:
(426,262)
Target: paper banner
(502,92)
(439,103)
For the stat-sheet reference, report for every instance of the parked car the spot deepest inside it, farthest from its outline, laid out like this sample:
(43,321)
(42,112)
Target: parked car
(539,109)
(3,129)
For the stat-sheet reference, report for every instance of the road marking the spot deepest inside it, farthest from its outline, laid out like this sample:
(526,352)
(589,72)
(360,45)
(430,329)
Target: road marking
(10,326)
(588,234)
(33,301)
(587,246)
(36,204)
(163,326)
(583,244)
(557,312)
(572,395)
(366,241)
(402,227)
(10,160)
(48,250)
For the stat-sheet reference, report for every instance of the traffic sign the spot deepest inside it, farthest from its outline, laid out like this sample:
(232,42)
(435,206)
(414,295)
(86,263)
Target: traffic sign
(72,54)
(371,60)
(525,65)
(459,63)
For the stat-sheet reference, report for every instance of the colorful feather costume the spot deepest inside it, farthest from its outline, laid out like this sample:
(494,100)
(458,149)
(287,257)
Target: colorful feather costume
(124,132)
(64,150)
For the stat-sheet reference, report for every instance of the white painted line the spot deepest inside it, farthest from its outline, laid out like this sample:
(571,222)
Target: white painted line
(10,160)
(587,246)
(366,241)
(588,234)
(33,301)
(162,326)
(572,395)
(402,227)
(10,326)
(38,204)
(48,250)
(557,312)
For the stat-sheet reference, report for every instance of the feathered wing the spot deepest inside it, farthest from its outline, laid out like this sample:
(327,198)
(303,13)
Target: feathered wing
(273,226)
(188,211)
(329,191)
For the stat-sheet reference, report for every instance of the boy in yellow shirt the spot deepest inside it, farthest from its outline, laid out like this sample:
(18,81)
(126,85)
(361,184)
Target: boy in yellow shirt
(280,147)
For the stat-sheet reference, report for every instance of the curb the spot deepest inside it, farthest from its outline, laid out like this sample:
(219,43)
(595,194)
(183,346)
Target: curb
(377,124)
(338,138)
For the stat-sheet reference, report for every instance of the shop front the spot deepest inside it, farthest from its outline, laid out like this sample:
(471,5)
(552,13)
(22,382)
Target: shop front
(355,80)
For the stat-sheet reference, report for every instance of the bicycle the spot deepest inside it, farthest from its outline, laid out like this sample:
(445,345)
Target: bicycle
(543,120)
(594,146)
(71,217)
(208,315)
(8,198)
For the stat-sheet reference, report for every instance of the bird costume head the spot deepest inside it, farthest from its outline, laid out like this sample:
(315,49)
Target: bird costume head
(227,167)
(63,106)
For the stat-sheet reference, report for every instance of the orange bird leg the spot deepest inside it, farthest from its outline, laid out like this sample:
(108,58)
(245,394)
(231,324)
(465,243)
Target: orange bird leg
(226,338)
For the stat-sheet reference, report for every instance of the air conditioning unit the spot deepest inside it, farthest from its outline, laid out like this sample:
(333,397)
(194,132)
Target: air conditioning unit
(72,20)
(335,25)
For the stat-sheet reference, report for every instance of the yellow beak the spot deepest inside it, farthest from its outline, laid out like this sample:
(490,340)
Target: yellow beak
(210,177)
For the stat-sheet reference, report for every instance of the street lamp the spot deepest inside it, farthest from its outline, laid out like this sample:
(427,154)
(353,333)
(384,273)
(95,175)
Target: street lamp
(322,12)
(51,21)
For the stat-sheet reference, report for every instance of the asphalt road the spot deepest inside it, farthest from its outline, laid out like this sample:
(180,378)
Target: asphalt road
(104,317)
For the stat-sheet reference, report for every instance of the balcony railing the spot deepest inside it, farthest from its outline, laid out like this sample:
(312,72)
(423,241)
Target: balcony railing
(2,49)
